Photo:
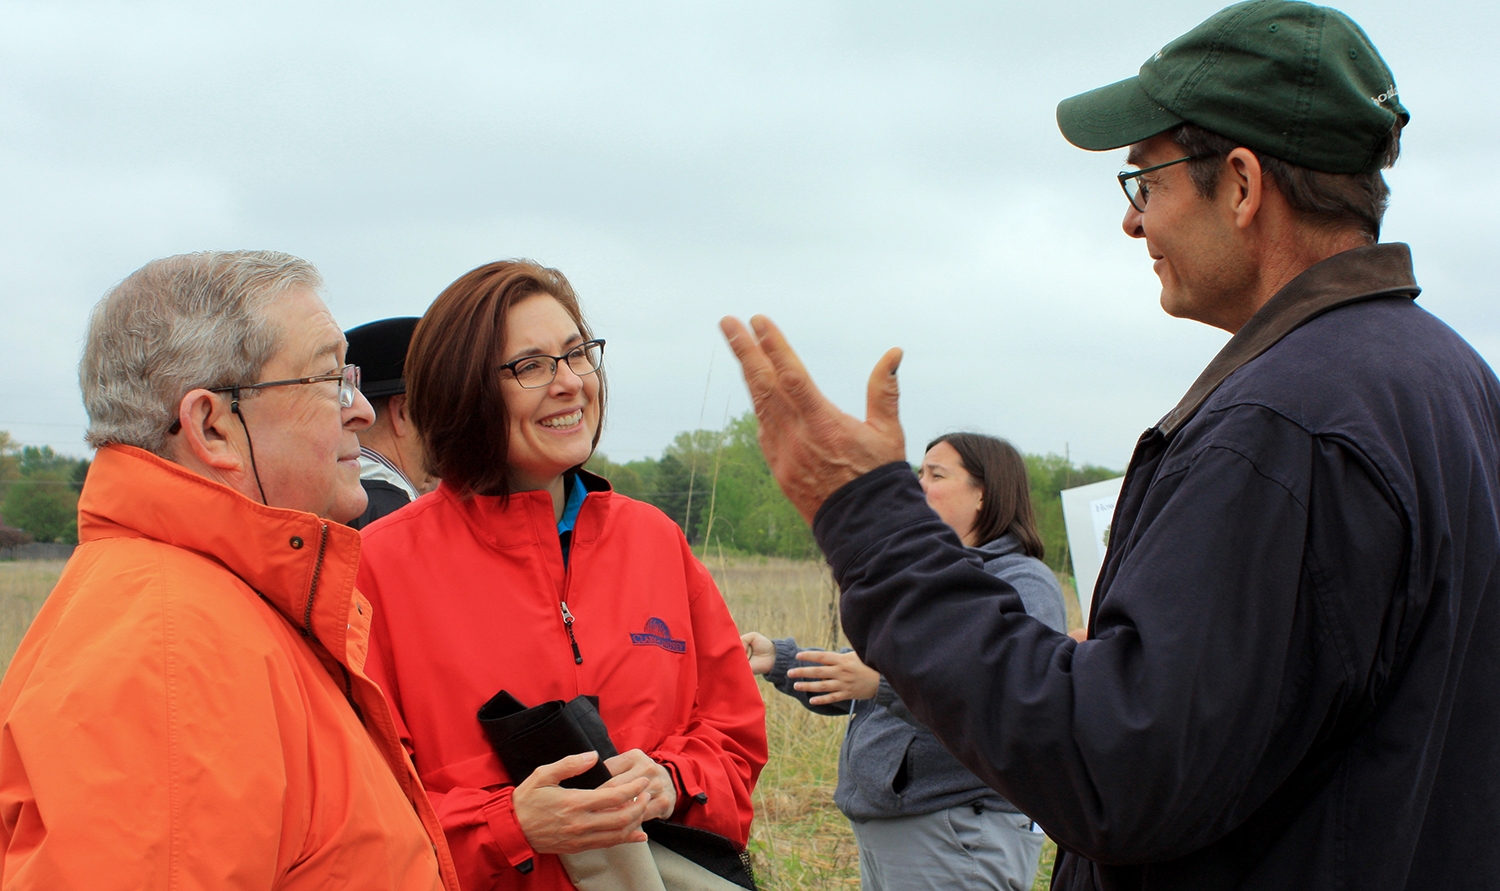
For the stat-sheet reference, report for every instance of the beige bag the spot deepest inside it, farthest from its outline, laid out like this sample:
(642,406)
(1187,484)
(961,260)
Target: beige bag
(640,866)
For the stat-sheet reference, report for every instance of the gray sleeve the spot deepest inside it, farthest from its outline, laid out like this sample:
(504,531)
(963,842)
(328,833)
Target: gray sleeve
(1041,595)
(786,660)
(887,698)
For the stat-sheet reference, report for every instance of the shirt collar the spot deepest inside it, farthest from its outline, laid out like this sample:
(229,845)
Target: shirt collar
(576,493)
(375,466)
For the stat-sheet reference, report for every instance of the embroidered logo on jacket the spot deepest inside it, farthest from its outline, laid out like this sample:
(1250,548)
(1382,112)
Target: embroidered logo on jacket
(658,635)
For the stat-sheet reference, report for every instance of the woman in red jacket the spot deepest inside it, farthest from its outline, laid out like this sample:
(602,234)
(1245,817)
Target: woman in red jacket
(525,573)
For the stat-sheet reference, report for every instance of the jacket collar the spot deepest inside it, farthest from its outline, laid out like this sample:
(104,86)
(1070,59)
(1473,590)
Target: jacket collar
(1378,270)
(999,547)
(526,519)
(301,564)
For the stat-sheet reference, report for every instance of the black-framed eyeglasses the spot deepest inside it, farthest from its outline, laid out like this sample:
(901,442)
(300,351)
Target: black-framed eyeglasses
(1135,187)
(532,372)
(348,378)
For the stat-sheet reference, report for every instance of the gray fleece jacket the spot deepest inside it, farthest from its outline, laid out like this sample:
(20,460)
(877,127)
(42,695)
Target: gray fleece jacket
(892,766)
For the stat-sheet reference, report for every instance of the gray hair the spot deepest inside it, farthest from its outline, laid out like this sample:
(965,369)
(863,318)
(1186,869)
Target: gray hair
(175,324)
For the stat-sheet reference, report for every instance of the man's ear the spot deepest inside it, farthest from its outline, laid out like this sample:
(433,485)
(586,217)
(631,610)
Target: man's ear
(205,437)
(396,416)
(1243,186)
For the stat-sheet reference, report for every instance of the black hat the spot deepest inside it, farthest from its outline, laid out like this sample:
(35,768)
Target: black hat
(379,349)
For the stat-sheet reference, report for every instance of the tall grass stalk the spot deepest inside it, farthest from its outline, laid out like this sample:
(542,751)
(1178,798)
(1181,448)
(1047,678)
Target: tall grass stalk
(713,492)
(687,516)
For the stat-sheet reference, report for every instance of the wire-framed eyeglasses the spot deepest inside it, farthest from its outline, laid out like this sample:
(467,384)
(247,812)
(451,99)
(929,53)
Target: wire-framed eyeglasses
(348,378)
(1136,189)
(532,372)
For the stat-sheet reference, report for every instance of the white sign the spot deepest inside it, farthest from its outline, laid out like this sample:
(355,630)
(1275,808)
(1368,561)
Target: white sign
(1087,511)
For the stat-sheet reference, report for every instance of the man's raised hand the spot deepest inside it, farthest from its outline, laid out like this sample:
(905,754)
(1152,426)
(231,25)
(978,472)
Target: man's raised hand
(811,446)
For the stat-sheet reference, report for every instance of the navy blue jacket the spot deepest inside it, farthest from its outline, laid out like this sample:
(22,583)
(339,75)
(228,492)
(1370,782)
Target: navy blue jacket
(890,765)
(1293,678)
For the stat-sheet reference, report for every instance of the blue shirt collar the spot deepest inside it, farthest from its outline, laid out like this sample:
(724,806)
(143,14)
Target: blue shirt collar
(576,493)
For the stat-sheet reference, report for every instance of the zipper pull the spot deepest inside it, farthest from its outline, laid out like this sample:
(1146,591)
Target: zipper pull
(568,624)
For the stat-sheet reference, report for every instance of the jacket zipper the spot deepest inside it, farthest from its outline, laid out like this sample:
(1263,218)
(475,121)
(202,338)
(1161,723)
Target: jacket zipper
(307,629)
(349,693)
(567,617)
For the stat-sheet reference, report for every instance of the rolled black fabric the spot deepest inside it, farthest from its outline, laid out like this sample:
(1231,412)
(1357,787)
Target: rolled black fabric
(526,738)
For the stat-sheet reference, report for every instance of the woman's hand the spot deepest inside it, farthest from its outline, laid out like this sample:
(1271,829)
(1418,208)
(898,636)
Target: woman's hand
(841,676)
(760,651)
(566,821)
(631,767)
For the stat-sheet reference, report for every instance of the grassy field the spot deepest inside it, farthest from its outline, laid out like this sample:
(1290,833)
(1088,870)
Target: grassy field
(799,840)
(24,585)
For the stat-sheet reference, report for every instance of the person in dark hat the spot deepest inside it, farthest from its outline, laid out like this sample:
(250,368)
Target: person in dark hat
(392,465)
(1290,678)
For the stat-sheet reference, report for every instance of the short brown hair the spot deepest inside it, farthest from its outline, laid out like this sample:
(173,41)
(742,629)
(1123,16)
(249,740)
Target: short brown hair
(1000,473)
(453,372)
(1333,200)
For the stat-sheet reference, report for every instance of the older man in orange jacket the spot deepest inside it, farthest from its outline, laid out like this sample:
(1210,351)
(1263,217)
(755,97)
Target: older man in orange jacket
(190,708)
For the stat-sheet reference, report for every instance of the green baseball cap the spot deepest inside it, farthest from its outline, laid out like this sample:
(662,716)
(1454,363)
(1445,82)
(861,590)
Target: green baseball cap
(1296,81)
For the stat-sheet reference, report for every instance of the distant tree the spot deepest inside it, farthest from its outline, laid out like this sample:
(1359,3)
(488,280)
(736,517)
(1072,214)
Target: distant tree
(716,485)
(1049,475)
(43,498)
(748,510)
(10,468)
(39,461)
(47,509)
(80,474)
(674,491)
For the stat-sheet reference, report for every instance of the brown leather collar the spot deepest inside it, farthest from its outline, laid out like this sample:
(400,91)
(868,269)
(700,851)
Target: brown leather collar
(1378,270)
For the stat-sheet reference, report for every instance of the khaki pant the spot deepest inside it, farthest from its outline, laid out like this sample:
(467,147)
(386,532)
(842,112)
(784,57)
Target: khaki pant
(953,848)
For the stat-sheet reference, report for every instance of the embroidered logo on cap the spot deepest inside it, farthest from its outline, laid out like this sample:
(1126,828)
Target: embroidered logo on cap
(658,635)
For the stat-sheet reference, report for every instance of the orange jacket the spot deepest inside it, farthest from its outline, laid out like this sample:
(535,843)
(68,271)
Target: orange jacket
(190,709)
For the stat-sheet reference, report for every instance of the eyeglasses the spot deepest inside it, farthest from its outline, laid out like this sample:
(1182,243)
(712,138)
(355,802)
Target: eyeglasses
(532,372)
(348,378)
(1135,187)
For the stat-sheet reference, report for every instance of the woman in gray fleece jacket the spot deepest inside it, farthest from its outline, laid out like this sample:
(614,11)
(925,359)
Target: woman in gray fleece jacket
(921,819)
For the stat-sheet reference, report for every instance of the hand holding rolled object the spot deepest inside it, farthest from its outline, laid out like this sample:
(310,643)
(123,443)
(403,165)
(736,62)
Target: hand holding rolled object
(558,820)
(628,767)
(838,677)
(811,446)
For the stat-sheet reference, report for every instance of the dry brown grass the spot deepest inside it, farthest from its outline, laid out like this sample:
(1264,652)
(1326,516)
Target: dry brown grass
(24,586)
(799,841)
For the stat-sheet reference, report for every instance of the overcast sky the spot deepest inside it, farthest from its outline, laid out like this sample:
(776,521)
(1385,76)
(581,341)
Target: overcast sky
(868,174)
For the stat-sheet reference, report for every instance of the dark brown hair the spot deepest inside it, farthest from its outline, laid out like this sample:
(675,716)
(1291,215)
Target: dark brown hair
(453,372)
(1332,200)
(1000,473)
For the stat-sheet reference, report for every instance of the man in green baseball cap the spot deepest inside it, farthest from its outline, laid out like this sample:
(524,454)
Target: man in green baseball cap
(1289,679)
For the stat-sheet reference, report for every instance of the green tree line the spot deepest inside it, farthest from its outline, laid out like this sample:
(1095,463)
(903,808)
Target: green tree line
(716,485)
(38,493)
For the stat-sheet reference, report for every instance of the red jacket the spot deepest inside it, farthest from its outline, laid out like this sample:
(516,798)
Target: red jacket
(468,597)
(189,708)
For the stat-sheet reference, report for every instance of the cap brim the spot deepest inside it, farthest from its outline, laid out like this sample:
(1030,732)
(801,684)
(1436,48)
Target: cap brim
(376,389)
(1112,117)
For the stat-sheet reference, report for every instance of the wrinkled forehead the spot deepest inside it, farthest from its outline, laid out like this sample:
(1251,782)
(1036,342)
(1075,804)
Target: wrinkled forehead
(309,338)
